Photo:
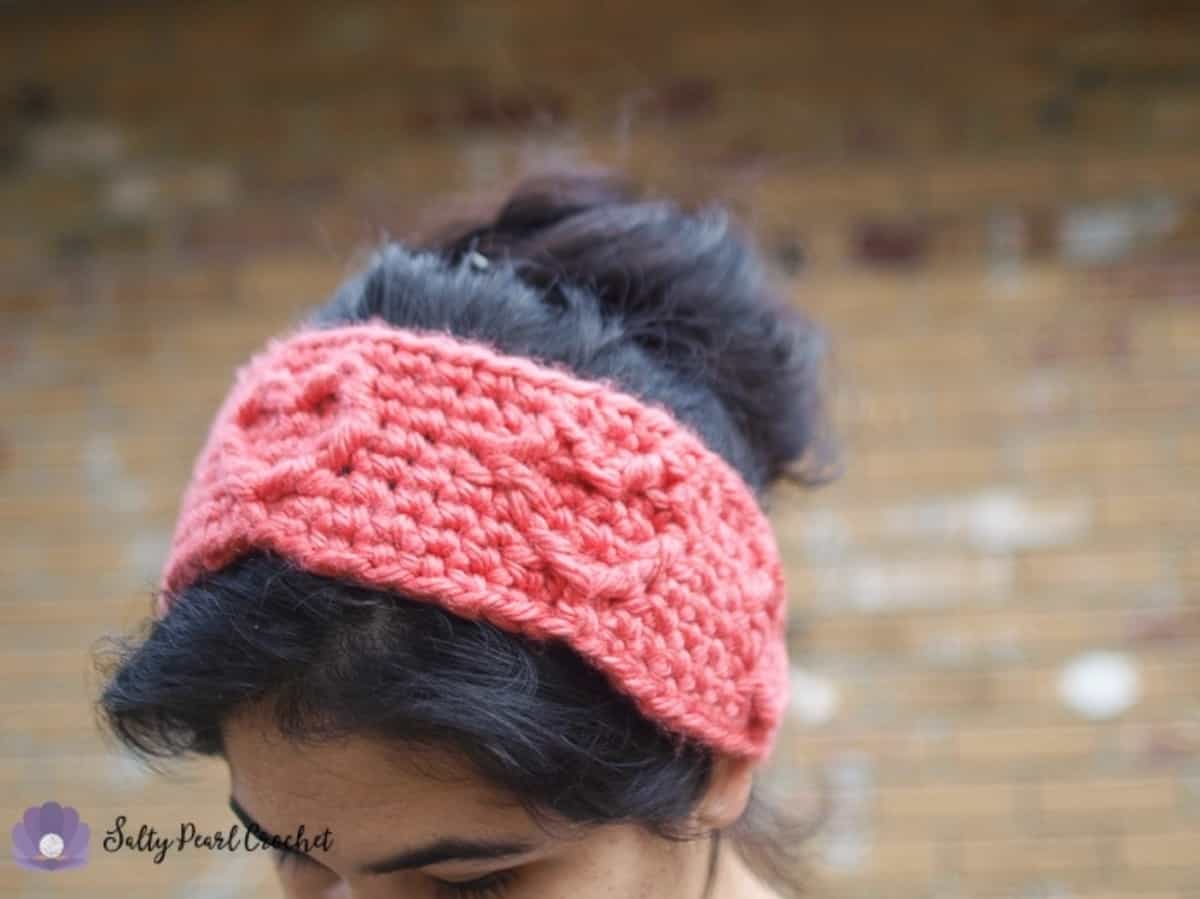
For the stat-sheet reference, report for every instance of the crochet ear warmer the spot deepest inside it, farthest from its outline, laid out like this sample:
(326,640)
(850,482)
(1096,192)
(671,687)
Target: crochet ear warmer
(509,490)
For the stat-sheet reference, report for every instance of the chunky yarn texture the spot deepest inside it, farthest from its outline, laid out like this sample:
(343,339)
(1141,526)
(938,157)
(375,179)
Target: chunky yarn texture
(507,490)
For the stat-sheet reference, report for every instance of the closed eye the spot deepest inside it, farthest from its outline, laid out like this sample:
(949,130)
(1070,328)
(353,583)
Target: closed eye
(493,885)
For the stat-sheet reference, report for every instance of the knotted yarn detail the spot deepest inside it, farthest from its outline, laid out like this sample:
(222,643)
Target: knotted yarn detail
(504,489)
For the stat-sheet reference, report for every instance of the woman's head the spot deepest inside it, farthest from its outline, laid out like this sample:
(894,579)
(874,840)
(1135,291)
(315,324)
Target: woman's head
(393,721)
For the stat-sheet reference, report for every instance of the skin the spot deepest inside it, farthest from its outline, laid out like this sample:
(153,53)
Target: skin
(378,802)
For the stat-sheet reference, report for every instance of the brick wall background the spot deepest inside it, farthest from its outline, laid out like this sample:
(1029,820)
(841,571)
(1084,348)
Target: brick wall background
(993,209)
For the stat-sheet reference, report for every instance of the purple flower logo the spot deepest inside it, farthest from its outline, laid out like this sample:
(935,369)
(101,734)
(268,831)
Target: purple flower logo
(50,837)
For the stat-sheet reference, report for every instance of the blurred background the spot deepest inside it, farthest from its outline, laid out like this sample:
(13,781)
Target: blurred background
(992,208)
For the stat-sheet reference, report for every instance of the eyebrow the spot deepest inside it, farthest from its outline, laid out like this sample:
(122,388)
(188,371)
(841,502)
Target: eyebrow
(440,850)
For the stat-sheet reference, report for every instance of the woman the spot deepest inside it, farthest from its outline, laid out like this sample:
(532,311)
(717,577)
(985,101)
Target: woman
(472,570)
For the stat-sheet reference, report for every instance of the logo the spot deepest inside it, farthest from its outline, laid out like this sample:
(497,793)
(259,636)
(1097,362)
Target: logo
(49,837)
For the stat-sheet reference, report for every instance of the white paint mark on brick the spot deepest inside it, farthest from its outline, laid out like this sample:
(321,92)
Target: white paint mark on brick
(814,698)
(885,584)
(146,553)
(125,772)
(145,193)
(133,195)
(825,534)
(953,648)
(112,491)
(114,494)
(76,145)
(1105,233)
(995,520)
(1099,685)
(846,838)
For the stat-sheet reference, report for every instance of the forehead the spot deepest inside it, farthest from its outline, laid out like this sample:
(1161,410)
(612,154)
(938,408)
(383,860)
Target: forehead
(372,797)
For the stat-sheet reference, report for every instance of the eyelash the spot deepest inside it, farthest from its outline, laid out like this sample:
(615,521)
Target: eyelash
(490,887)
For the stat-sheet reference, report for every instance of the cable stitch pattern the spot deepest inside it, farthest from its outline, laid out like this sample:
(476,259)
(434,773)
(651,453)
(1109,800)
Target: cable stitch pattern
(509,490)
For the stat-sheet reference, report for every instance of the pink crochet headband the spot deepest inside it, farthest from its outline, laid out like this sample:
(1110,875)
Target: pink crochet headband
(509,490)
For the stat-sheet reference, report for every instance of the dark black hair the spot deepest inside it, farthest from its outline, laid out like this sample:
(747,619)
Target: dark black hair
(673,305)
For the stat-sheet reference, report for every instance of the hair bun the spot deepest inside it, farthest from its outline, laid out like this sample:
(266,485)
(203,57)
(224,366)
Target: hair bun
(690,289)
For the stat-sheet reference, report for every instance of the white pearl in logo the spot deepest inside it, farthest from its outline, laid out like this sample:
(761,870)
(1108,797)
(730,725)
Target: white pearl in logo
(814,699)
(51,845)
